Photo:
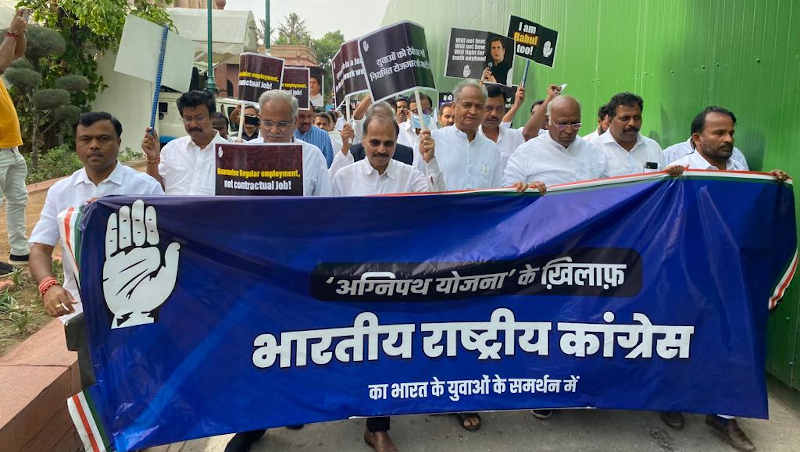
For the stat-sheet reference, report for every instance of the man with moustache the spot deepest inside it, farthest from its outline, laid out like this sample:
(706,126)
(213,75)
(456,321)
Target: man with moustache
(309,133)
(357,151)
(446,117)
(507,139)
(627,150)
(712,139)
(465,158)
(97,141)
(685,148)
(380,172)
(186,165)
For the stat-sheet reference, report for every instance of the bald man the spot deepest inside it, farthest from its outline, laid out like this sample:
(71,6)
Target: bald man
(560,155)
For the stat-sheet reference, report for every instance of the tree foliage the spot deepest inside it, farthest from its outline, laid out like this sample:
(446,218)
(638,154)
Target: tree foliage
(325,48)
(293,31)
(64,52)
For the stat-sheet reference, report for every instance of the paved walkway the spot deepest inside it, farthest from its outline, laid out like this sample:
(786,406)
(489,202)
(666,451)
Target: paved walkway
(519,431)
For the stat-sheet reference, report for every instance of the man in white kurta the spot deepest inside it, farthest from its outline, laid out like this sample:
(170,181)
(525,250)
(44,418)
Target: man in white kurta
(278,121)
(379,173)
(560,156)
(465,158)
(187,165)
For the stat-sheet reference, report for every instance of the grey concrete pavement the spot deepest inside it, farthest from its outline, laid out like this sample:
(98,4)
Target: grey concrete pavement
(584,430)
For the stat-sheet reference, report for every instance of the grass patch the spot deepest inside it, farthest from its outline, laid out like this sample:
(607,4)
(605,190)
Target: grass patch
(21,309)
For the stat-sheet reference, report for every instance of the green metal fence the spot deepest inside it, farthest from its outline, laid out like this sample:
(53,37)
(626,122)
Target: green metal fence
(679,55)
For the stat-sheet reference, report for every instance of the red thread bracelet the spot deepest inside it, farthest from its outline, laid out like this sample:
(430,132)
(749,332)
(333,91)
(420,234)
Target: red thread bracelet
(46,284)
(12,34)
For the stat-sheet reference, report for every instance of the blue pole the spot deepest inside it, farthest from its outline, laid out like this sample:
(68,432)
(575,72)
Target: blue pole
(159,72)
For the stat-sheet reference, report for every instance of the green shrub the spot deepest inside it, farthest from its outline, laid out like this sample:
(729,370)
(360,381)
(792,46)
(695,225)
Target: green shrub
(56,162)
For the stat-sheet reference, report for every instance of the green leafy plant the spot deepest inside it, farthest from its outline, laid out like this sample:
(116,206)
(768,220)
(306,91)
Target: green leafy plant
(46,108)
(56,162)
(63,52)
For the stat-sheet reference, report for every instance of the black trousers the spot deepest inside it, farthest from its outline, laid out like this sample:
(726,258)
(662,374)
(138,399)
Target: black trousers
(77,335)
(378,424)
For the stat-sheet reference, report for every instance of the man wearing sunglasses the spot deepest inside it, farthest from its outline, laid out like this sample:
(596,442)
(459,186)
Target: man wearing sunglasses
(251,123)
(628,151)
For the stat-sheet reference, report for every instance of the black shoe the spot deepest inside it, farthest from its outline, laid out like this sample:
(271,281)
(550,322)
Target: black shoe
(6,269)
(295,427)
(18,258)
(673,419)
(241,442)
(542,414)
(729,431)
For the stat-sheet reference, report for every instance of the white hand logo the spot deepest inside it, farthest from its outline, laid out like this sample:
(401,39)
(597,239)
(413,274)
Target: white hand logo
(136,280)
(548,49)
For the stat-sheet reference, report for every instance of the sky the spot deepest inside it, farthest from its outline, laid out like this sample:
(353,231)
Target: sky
(353,17)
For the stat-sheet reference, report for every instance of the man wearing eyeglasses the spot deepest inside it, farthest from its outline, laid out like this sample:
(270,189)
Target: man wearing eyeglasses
(187,165)
(558,156)
(278,116)
(628,151)
(380,172)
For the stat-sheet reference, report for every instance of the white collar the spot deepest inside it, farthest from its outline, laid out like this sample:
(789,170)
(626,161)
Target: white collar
(115,177)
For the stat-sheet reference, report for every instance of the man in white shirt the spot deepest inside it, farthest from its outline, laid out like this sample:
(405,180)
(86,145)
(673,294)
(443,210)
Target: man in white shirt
(507,139)
(278,115)
(186,165)
(465,158)
(379,172)
(685,148)
(602,123)
(559,156)
(628,151)
(97,141)
(712,137)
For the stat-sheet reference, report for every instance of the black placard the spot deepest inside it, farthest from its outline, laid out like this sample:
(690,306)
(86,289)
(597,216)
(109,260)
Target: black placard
(295,81)
(396,60)
(471,52)
(348,73)
(533,41)
(258,73)
(259,169)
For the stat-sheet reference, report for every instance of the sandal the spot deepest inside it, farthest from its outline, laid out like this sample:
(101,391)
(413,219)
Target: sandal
(468,421)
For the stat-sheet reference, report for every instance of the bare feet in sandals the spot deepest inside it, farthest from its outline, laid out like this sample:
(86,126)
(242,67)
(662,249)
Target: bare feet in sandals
(469,421)
(380,441)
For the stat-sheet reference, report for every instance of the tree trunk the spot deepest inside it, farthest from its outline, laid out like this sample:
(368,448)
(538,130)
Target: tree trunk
(34,146)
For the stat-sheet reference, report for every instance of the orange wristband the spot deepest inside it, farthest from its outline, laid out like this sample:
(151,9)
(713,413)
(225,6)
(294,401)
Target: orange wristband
(46,284)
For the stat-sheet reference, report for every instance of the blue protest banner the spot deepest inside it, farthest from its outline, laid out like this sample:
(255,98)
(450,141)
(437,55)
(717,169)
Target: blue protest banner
(215,315)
